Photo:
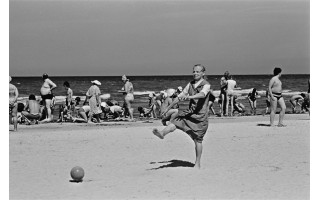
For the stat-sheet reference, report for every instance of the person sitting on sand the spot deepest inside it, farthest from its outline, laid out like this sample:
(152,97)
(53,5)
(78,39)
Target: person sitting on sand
(238,107)
(83,115)
(32,110)
(275,92)
(252,97)
(172,112)
(193,121)
(115,111)
(145,112)
(295,100)
(93,96)
(47,95)
(13,105)
(305,106)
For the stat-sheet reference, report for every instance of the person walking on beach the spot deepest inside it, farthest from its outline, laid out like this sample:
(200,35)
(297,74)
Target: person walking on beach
(47,96)
(13,105)
(193,121)
(93,95)
(275,92)
(252,97)
(127,91)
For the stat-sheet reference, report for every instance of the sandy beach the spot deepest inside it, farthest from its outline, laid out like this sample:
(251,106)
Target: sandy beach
(243,158)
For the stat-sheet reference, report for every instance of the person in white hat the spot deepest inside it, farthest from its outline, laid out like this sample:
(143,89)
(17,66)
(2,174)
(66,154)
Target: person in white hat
(93,96)
(13,105)
(127,91)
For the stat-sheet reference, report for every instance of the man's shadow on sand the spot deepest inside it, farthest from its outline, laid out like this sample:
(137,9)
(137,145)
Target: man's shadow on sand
(263,124)
(172,163)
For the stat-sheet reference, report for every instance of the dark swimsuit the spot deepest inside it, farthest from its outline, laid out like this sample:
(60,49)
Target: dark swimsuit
(277,95)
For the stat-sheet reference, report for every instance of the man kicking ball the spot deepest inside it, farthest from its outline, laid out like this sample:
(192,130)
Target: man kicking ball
(193,121)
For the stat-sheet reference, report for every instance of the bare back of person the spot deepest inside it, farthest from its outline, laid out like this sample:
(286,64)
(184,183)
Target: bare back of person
(34,107)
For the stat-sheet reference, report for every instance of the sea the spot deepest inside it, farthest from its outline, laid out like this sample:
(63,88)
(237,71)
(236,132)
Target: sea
(143,85)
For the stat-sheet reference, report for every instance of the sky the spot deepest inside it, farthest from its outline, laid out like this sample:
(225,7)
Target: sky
(111,38)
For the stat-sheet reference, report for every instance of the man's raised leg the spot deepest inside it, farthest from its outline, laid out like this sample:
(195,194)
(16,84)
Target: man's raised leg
(165,131)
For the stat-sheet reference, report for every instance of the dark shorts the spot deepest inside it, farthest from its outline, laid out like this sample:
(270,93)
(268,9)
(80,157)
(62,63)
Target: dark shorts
(47,96)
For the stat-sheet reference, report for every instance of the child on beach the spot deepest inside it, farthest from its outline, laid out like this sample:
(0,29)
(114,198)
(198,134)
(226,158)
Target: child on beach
(69,94)
(193,121)
(252,97)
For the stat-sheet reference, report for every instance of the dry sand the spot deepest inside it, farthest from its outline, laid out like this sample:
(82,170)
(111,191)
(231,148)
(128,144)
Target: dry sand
(242,159)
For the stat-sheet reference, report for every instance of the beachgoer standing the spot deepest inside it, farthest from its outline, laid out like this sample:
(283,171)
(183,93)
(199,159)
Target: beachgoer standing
(231,85)
(93,95)
(193,121)
(252,97)
(13,105)
(68,95)
(223,95)
(128,96)
(47,95)
(275,92)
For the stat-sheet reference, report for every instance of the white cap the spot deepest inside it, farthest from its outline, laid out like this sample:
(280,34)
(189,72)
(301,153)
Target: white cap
(96,82)
(180,88)
(103,104)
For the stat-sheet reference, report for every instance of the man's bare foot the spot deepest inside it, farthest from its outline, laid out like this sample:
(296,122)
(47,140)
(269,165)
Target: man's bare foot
(197,166)
(157,133)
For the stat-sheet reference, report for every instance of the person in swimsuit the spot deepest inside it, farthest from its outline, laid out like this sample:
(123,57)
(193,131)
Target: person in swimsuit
(223,94)
(193,121)
(212,98)
(69,94)
(47,96)
(268,104)
(275,92)
(13,105)
(231,85)
(128,96)
(295,100)
(32,110)
(252,97)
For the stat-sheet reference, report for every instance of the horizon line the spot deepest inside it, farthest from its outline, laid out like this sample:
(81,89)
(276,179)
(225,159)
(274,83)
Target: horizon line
(154,75)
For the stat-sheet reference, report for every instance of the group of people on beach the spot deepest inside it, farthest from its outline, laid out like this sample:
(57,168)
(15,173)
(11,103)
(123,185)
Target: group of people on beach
(193,121)
(92,109)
